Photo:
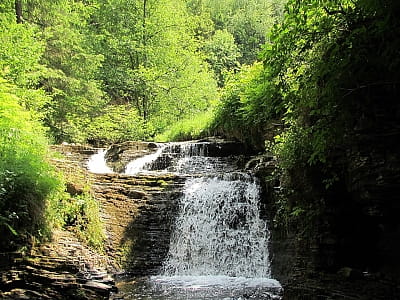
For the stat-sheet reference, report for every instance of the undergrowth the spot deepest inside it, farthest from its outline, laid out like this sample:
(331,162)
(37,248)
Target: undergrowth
(33,200)
(76,209)
(27,180)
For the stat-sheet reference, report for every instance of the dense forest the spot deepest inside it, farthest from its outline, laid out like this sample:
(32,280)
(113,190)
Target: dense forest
(313,82)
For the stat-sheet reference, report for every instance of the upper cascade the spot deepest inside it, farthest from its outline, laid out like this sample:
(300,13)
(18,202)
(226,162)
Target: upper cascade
(182,158)
(186,158)
(97,163)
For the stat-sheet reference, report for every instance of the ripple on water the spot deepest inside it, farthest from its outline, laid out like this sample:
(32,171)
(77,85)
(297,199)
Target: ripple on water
(202,287)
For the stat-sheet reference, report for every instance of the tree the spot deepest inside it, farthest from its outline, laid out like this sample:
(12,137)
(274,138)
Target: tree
(247,21)
(71,67)
(18,11)
(222,54)
(151,63)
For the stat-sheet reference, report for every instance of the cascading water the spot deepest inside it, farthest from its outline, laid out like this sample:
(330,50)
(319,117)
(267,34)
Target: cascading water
(219,244)
(142,163)
(218,230)
(97,163)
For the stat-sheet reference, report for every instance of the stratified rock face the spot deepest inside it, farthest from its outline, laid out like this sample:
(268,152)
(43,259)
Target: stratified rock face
(138,212)
(61,269)
(74,155)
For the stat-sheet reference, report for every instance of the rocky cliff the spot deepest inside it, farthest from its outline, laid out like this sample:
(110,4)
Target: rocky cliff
(344,237)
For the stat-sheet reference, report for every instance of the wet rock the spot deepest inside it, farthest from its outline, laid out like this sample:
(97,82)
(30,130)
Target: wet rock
(99,287)
(214,147)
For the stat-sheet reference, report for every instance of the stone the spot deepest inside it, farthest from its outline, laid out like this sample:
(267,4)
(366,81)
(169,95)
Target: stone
(350,273)
(74,189)
(98,287)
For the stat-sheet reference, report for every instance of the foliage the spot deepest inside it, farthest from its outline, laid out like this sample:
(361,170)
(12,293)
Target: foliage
(16,39)
(78,213)
(70,78)
(157,72)
(161,60)
(117,123)
(26,178)
(24,71)
(247,21)
(188,129)
(247,104)
(315,60)
(32,197)
(222,54)
(319,62)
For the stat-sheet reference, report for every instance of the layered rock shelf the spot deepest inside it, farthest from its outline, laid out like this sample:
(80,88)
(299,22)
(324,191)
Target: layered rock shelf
(137,214)
(62,269)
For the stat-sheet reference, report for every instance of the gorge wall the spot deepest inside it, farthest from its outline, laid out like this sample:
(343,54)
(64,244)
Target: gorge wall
(346,237)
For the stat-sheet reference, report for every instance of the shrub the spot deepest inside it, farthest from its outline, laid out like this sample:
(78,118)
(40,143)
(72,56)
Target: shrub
(27,180)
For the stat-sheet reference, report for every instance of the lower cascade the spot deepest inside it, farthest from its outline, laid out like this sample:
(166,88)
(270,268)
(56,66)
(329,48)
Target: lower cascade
(219,246)
(219,242)
(218,230)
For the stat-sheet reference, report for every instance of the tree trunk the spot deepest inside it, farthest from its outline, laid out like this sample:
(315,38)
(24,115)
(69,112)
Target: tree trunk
(18,11)
(144,37)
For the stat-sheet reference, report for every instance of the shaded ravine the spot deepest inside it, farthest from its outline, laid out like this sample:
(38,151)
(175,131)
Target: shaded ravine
(208,237)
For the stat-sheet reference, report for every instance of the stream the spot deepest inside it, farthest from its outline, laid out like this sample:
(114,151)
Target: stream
(218,246)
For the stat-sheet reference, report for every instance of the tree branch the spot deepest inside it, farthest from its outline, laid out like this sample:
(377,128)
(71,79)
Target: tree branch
(364,86)
(335,12)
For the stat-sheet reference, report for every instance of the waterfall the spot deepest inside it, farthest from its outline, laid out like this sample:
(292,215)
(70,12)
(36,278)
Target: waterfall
(97,163)
(219,241)
(219,230)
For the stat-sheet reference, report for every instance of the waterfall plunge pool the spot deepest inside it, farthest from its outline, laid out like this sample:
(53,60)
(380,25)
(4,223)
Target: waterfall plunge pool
(212,287)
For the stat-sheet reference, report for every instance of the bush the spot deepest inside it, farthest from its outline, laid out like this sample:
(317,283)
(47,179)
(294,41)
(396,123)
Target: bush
(77,210)
(27,180)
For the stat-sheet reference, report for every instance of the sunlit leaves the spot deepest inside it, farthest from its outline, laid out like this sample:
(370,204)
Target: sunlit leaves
(26,178)
(151,59)
(20,51)
(222,54)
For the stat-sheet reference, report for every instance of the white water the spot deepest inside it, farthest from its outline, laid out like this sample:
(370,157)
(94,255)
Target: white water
(141,163)
(219,230)
(219,246)
(97,163)
(182,158)
(214,288)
